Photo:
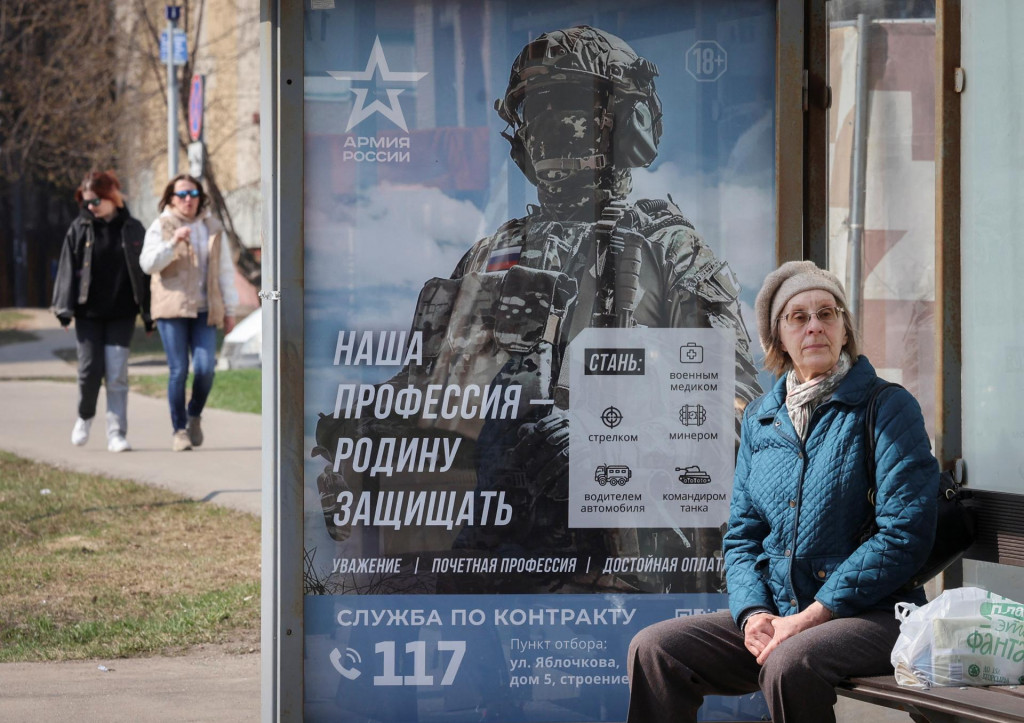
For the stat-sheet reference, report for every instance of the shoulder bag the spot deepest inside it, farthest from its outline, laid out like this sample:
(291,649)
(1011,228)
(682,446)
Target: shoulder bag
(954,524)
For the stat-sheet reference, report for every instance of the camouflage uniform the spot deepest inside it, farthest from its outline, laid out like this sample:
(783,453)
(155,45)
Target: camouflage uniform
(583,258)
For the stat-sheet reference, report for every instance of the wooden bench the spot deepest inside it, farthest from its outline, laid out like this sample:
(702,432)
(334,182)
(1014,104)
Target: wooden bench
(1000,519)
(999,704)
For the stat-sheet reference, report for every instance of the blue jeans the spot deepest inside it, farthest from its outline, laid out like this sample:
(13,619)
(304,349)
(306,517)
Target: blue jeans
(183,337)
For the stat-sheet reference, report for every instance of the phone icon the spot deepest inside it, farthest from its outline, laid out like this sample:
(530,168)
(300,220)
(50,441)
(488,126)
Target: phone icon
(352,657)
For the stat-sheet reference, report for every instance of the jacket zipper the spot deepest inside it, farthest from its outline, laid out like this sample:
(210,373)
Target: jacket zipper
(802,455)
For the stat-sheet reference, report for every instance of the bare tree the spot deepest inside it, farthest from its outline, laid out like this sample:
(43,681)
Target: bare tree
(58,97)
(58,113)
(81,87)
(144,81)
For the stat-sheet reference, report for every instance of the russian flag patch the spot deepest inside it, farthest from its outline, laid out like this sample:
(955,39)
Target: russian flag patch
(502,259)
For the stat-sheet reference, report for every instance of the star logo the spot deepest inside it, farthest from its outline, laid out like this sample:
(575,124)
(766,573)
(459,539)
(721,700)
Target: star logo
(377,63)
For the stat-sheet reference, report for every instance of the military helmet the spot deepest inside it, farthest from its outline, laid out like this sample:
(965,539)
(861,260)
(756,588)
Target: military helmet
(622,81)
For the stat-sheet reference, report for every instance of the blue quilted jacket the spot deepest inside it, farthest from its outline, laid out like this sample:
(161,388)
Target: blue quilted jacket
(799,508)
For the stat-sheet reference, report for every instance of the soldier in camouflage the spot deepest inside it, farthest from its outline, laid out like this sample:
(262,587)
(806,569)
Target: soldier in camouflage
(582,110)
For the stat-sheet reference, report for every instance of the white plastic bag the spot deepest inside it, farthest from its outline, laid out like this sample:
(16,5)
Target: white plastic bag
(965,636)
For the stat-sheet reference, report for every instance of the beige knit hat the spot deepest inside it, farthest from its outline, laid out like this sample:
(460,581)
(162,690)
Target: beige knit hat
(786,282)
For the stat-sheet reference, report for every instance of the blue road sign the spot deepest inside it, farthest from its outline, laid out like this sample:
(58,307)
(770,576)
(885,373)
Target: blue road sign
(180,47)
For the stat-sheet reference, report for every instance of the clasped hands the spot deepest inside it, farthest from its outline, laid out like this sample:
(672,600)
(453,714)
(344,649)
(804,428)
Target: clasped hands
(764,631)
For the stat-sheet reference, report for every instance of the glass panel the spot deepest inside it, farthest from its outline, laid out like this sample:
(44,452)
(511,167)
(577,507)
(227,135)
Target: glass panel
(1005,580)
(882,240)
(992,255)
(442,559)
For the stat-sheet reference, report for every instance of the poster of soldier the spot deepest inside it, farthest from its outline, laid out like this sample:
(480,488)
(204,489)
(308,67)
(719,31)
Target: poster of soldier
(533,234)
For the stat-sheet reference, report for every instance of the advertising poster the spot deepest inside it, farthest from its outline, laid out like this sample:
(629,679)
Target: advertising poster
(533,235)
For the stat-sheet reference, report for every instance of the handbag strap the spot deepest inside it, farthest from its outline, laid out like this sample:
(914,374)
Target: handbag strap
(869,431)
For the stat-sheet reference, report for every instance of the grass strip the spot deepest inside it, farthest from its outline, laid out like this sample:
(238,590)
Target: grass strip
(10,327)
(11,319)
(237,390)
(93,567)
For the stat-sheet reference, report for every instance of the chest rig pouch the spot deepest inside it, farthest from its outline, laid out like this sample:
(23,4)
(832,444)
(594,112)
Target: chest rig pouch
(485,330)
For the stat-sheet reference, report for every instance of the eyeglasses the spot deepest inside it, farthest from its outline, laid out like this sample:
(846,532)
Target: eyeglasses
(191,193)
(94,202)
(827,315)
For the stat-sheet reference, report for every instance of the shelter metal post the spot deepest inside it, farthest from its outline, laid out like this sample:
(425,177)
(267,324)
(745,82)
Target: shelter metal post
(281,138)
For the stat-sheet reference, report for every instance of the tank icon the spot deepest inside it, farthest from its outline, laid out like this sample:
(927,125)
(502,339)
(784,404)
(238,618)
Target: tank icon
(613,474)
(693,475)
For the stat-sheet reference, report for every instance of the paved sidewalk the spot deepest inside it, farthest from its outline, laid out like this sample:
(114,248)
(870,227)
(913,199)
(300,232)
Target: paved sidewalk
(37,419)
(203,686)
(38,415)
(208,684)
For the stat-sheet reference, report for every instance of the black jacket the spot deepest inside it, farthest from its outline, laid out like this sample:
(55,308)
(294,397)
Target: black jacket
(74,270)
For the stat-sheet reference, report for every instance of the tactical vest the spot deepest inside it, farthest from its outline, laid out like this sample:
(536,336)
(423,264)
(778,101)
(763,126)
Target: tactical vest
(519,297)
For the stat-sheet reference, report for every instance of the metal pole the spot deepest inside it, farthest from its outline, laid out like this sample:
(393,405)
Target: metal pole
(858,169)
(281,159)
(172,100)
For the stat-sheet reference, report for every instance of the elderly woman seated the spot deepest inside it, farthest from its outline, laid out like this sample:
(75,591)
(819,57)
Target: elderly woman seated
(811,590)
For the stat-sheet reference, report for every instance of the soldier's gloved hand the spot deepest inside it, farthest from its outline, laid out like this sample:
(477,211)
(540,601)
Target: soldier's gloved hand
(542,452)
(330,484)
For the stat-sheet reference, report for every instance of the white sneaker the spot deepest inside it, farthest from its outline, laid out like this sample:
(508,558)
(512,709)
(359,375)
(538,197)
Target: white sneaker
(118,443)
(180,441)
(80,433)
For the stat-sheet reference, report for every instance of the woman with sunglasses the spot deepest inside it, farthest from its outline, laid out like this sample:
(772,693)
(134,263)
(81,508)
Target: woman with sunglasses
(193,288)
(100,284)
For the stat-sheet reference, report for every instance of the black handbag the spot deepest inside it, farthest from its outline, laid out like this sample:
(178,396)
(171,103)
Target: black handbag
(954,525)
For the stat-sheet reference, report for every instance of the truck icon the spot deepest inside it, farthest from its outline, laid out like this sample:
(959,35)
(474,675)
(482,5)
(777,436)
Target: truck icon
(613,474)
(693,475)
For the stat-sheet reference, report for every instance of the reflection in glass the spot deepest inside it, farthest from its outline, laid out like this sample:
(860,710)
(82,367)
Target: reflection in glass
(881,223)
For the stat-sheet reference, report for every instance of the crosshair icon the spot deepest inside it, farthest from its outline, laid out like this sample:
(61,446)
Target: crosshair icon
(611,417)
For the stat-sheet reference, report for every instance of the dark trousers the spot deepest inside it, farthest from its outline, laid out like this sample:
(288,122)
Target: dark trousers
(675,663)
(103,346)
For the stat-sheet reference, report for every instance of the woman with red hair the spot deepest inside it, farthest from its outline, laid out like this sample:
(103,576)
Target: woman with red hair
(101,285)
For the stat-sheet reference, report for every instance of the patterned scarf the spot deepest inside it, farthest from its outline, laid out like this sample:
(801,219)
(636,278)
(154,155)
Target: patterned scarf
(803,399)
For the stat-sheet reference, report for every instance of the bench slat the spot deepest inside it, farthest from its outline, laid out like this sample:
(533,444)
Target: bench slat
(998,704)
